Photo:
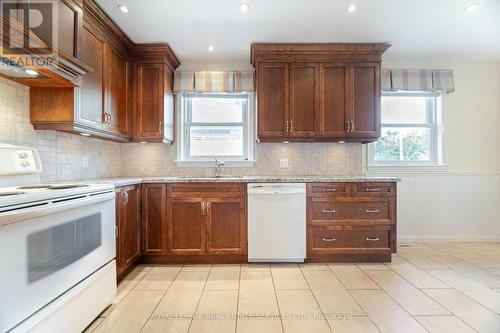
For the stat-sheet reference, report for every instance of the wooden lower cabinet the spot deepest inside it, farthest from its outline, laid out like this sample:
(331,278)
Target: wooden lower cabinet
(128,223)
(194,223)
(351,222)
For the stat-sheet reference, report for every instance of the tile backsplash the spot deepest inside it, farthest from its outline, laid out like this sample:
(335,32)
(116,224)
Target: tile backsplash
(65,155)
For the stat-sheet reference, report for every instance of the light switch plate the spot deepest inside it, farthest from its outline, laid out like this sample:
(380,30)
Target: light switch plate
(283,164)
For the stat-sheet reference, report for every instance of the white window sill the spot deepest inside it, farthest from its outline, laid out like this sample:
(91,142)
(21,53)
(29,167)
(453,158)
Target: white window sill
(211,164)
(405,169)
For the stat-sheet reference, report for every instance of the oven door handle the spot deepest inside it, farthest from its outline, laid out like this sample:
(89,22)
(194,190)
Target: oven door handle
(51,207)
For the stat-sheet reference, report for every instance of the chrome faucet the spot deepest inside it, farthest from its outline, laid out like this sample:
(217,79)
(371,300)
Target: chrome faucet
(218,165)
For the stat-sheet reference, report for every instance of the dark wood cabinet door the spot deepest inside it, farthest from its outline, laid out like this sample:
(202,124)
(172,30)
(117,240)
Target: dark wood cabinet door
(150,91)
(70,19)
(128,217)
(303,99)
(117,92)
(334,100)
(186,226)
(154,219)
(366,93)
(93,53)
(272,100)
(226,226)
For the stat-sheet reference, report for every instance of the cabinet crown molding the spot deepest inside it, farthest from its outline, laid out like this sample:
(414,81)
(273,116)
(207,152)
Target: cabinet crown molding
(291,52)
(156,52)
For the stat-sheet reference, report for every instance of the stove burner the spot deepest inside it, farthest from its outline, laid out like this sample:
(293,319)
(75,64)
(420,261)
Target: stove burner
(5,194)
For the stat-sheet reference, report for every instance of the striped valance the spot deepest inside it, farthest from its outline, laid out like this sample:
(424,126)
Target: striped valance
(427,80)
(229,82)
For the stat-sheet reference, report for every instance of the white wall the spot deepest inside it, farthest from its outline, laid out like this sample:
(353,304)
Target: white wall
(460,204)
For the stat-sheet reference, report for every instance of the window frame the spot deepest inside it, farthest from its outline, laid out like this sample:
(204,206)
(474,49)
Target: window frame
(184,116)
(434,124)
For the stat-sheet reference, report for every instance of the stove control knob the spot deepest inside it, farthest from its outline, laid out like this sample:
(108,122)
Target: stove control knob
(23,155)
(25,164)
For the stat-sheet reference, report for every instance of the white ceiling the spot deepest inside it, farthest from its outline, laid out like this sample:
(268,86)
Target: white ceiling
(417,29)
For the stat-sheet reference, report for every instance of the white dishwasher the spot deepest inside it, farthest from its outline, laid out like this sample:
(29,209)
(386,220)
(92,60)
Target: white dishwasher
(276,222)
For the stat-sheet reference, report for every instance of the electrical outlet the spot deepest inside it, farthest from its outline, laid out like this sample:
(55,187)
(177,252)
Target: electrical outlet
(85,162)
(283,164)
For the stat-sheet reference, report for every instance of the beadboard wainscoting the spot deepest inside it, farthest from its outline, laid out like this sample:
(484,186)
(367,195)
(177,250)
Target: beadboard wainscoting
(448,207)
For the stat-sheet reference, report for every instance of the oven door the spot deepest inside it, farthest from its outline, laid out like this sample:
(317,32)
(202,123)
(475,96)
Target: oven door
(49,249)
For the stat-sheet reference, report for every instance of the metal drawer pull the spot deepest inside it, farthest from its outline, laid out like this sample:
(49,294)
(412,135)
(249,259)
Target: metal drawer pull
(329,189)
(329,239)
(373,211)
(329,211)
(376,189)
(372,239)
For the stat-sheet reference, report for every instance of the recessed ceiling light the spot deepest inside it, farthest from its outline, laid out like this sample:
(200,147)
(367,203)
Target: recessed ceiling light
(123,8)
(471,7)
(244,7)
(351,8)
(31,72)
(211,48)
(84,134)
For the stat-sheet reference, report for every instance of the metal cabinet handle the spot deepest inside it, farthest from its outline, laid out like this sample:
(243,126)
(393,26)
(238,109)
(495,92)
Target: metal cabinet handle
(373,210)
(332,239)
(329,189)
(286,126)
(329,211)
(203,208)
(116,231)
(352,125)
(348,125)
(110,118)
(291,125)
(372,189)
(125,198)
(160,126)
(372,239)
(106,118)
(208,205)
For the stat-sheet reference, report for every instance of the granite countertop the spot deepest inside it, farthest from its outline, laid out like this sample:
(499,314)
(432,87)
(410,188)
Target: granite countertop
(124,181)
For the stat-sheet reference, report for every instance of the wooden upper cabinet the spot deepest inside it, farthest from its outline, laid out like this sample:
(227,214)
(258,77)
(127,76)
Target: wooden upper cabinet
(117,92)
(318,92)
(334,100)
(154,115)
(272,99)
(366,101)
(186,226)
(303,99)
(92,111)
(70,20)
(154,219)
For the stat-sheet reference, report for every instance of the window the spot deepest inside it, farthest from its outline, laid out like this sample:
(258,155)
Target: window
(215,126)
(410,130)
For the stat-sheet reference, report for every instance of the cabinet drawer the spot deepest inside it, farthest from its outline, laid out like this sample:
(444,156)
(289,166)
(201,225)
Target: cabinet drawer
(373,189)
(331,239)
(205,189)
(333,189)
(332,210)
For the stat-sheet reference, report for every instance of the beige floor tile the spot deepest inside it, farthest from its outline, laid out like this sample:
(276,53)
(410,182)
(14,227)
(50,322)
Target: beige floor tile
(385,312)
(158,278)
(352,277)
(373,267)
(300,312)
(226,267)
(288,277)
(93,325)
(416,276)
(331,295)
(196,268)
(255,266)
(485,262)
(484,277)
(474,314)
(175,310)
(444,324)
(132,313)
(353,325)
(216,312)
(469,287)
(410,298)
(422,261)
(223,279)
(495,271)
(314,267)
(256,294)
(259,326)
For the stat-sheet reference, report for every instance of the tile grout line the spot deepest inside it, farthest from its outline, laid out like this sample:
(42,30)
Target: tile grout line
(199,299)
(238,302)
(161,298)
(276,298)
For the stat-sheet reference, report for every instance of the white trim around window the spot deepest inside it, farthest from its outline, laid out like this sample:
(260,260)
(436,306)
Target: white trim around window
(183,115)
(434,123)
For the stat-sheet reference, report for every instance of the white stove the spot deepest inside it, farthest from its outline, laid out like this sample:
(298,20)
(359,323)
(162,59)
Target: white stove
(57,248)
